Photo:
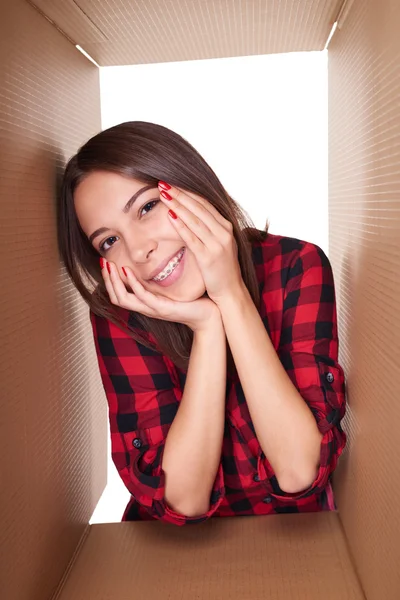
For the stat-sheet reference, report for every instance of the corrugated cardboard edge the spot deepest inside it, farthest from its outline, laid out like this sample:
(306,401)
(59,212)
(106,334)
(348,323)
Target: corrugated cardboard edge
(54,412)
(70,566)
(278,556)
(364,220)
(43,14)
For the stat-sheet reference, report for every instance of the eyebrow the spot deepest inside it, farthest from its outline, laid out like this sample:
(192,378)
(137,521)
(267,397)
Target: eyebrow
(126,209)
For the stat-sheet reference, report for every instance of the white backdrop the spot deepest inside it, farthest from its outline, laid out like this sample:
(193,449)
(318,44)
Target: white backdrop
(260,122)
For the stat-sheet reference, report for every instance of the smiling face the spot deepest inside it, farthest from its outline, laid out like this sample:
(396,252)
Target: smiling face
(136,234)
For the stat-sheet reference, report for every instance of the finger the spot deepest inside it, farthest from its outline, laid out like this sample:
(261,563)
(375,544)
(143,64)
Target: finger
(197,242)
(196,217)
(157,304)
(108,283)
(191,199)
(119,294)
(206,204)
(153,303)
(186,219)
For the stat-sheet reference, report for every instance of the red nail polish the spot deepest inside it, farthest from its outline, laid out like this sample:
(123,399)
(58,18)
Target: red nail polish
(108,268)
(124,272)
(165,195)
(101,262)
(163,185)
(172,214)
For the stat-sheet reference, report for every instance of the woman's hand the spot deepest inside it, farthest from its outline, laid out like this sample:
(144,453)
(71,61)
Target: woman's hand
(209,236)
(198,314)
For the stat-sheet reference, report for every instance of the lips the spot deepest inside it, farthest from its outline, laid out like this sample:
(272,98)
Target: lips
(163,264)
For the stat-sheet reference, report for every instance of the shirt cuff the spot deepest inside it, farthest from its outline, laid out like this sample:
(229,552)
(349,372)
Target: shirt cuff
(148,486)
(216,498)
(330,452)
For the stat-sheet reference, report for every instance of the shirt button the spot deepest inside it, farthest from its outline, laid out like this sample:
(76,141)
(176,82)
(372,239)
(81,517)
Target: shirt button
(137,443)
(267,500)
(256,478)
(330,378)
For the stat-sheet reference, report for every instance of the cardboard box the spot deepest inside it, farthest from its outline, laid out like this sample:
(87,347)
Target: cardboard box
(54,416)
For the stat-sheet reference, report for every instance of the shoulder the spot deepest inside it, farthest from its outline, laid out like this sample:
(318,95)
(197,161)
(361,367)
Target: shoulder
(283,257)
(281,247)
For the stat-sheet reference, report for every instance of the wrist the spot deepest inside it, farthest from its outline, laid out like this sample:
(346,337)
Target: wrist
(234,301)
(212,325)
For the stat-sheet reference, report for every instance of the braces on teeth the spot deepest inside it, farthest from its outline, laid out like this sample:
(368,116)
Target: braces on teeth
(170,267)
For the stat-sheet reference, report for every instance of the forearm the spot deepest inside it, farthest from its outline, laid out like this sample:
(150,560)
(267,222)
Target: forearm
(193,447)
(284,424)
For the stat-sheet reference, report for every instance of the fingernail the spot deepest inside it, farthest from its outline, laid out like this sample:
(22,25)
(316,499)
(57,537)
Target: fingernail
(108,268)
(172,214)
(124,272)
(163,185)
(165,195)
(101,262)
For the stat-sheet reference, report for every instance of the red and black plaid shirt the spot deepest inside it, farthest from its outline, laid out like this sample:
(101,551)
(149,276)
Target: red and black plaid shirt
(144,388)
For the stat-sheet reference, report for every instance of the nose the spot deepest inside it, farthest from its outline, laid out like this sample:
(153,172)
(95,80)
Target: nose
(140,249)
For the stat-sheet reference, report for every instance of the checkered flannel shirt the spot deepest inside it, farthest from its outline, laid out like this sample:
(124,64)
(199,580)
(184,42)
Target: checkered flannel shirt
(143,389)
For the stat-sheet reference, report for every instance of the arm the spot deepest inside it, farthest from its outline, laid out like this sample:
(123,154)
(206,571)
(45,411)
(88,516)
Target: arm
(291,400)
(166,475)
(193,447)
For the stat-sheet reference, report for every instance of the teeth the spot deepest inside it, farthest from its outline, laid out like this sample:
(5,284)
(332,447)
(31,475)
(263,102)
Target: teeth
(170,267)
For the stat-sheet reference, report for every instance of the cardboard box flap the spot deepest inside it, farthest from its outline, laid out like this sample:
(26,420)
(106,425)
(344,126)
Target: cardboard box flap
(154,31)
(282,557)
(53,410)
(53,407)
(364,197)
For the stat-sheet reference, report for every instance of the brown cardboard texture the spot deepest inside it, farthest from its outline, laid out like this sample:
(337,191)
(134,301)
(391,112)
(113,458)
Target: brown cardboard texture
(54,415)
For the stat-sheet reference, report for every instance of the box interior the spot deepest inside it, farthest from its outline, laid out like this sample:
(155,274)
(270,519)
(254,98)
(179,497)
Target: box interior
(54,425)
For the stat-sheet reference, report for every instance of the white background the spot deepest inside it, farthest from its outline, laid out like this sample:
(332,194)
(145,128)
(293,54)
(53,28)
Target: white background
(261,124)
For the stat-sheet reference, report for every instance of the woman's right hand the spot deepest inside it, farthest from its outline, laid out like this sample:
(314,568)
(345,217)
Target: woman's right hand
(197,314)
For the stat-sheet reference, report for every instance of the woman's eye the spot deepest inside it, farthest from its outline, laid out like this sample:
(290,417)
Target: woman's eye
(151,204)
(103,247)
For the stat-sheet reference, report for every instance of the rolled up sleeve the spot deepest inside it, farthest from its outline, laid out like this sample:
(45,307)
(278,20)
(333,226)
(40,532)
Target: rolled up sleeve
(322,386)
(143,397)
(309,353)
(147,479)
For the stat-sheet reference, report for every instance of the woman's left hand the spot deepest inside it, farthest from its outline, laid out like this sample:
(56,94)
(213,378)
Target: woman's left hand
(209,236)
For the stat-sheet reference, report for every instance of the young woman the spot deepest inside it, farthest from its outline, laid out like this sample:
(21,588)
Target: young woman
(217,343)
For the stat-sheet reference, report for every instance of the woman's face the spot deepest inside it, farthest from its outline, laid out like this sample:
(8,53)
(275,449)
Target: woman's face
(140,237)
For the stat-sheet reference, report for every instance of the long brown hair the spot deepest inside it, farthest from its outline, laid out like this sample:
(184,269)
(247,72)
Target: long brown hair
(149,153)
